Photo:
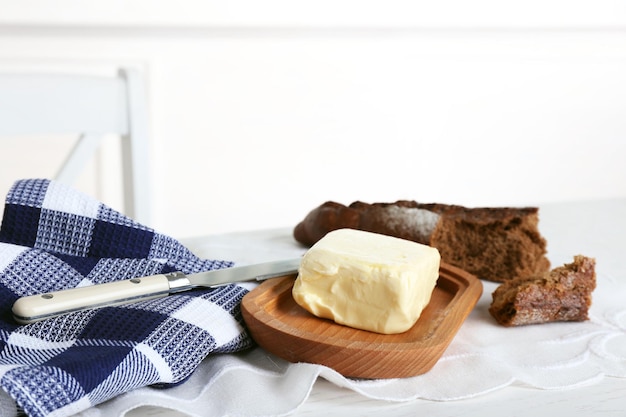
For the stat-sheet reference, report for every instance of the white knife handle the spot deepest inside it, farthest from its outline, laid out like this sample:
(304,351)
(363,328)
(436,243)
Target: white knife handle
(42,306)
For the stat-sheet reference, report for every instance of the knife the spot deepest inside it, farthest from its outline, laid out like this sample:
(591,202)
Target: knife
(43,306)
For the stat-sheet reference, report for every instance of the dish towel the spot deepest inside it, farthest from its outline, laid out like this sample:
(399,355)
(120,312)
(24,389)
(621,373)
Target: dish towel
(53,237)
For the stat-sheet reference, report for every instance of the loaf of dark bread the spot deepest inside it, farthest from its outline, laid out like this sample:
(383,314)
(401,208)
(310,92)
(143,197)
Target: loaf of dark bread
(563,294)
(495,244)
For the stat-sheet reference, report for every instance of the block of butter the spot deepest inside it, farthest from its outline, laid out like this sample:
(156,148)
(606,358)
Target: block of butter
(366,280)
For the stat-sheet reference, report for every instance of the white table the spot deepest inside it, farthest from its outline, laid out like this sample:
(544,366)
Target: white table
(594,228)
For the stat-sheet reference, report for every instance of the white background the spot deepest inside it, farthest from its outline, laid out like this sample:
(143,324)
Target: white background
(261,111)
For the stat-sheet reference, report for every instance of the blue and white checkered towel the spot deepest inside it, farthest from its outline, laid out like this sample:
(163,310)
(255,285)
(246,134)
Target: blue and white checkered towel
(53,237)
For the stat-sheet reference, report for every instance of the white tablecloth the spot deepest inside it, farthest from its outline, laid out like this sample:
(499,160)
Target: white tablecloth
(482,358)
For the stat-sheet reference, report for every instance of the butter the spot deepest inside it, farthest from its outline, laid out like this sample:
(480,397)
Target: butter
(367,281)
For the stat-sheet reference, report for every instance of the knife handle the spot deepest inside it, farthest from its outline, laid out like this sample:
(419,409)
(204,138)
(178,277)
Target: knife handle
(42,306)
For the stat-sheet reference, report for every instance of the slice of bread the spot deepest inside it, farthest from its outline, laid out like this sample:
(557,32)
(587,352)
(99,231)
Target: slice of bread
(563,294)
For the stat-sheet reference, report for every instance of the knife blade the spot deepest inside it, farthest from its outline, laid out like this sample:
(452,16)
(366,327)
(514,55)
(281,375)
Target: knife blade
(38,307)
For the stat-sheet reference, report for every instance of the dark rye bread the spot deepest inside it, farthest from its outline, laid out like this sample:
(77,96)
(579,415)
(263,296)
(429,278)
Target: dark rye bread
(493,243)
(563,294)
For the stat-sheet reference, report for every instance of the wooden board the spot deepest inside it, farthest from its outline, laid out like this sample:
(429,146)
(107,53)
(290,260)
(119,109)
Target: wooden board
(279,325)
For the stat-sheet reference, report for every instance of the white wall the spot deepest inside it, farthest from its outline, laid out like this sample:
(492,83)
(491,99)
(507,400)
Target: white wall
(259,114)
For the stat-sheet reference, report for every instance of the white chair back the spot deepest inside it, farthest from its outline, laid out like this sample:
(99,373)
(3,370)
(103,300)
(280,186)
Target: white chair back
(91,106)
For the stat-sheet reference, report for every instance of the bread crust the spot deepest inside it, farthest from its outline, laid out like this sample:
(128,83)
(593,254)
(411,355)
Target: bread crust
(563,294)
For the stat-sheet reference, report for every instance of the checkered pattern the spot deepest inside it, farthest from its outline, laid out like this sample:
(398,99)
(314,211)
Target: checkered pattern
(53,237)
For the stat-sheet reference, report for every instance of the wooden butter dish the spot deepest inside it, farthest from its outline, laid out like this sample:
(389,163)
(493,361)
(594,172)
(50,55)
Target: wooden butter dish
(279,325)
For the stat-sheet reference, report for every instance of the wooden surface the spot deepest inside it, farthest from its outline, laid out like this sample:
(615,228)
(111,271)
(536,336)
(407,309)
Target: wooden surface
(281,326)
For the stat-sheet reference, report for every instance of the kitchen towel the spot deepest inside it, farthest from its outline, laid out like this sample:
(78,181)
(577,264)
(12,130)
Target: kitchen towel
(54,237)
